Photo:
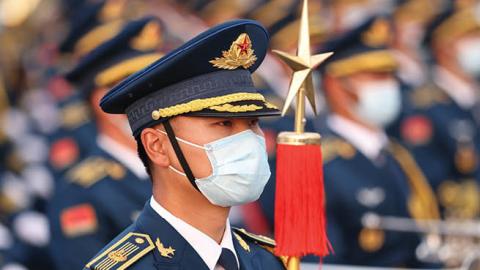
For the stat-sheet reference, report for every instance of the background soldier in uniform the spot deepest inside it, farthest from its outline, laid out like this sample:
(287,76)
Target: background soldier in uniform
(103,194)
(364,171)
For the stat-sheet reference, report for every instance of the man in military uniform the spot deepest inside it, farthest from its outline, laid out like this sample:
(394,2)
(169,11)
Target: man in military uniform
(91,25)
(443,130)
(194,114)
(104,193)
(364,171)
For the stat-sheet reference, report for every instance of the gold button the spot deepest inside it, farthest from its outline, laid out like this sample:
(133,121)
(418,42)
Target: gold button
(155,115)
(371,240)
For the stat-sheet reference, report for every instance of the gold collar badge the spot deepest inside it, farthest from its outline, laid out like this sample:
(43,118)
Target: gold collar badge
(240,54)
(164,252)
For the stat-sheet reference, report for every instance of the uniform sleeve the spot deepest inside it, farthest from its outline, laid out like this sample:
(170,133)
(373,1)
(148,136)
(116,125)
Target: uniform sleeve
(78,228)
(337,239)
(335,228)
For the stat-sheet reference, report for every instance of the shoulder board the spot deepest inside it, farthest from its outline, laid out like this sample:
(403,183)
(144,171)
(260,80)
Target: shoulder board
(428,96)
(75,114)
(123,253)
(94,169)
(263,241)
(259,239)
(333,147)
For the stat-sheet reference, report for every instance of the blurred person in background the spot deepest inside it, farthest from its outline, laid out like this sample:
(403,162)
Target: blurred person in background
(102,195)
(409,21)
(345,15)
(25,182)
(443,128)
(92,24)
(366,172)
(35,111)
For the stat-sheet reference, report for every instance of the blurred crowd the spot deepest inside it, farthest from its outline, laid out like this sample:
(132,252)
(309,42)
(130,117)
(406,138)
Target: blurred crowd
(398,106)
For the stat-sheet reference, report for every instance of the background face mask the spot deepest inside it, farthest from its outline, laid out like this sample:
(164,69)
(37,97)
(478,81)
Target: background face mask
(240,169)
(468,55)
(379,102)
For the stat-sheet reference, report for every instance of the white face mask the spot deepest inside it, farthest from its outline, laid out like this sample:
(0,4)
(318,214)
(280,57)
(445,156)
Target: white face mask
(240,169)
(468,55)
(379,102)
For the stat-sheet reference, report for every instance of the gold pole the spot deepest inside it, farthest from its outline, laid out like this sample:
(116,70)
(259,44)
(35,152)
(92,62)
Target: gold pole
(293,263)
(300,112)
(301,87)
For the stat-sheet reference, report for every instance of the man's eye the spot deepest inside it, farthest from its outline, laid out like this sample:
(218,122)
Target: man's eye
(253,122)
(226,123)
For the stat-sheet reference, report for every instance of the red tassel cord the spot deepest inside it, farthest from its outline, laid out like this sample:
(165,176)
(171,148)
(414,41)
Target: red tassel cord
(300,223)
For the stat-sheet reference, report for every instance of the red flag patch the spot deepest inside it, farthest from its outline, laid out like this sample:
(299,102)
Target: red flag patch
(78,220)
(63,153)
(417,130)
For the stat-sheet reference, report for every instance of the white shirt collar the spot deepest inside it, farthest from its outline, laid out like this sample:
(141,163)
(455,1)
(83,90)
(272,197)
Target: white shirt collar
(461,92)
(123,154)
(367,141)
(206,247)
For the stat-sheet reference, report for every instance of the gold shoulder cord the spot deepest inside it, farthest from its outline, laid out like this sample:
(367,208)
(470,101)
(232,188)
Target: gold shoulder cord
(423,203)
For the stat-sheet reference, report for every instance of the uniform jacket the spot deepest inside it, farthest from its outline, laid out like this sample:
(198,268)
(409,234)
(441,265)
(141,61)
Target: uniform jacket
(152,243)
(97,200)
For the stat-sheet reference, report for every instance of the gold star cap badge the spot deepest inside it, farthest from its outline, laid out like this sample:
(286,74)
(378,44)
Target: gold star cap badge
(240,54)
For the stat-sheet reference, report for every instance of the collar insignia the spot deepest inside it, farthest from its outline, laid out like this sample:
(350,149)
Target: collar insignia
(165,252)
(240,54)
(242,242)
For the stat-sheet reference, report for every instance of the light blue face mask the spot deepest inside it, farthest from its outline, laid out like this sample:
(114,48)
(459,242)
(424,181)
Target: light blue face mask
(240,169)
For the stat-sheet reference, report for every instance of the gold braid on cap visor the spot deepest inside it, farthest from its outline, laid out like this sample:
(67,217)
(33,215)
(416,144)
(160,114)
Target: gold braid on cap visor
(376,61)
(210,103)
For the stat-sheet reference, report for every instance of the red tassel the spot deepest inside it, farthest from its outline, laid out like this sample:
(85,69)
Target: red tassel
(300,225)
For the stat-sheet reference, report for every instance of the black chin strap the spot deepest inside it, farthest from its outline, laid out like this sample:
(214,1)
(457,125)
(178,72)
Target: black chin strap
(179,153)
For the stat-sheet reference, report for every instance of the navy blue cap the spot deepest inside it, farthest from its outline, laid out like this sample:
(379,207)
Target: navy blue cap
(130,50)
(71,7)
(209,75)
(454,22)
(437,21)
(364,48)
(90,16)
(81,22)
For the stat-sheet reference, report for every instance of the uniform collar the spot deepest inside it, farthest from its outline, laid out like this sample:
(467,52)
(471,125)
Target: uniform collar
(461,92)
(206,247)
(368,142)
(124,155)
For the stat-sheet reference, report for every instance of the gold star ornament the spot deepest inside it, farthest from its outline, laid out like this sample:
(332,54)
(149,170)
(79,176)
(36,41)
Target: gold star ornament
(302,65)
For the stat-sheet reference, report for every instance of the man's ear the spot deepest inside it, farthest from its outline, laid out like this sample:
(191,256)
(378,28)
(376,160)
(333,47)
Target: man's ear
(155,145)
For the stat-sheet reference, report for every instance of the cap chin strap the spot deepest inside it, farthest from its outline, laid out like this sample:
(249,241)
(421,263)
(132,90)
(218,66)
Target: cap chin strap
(179,153)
